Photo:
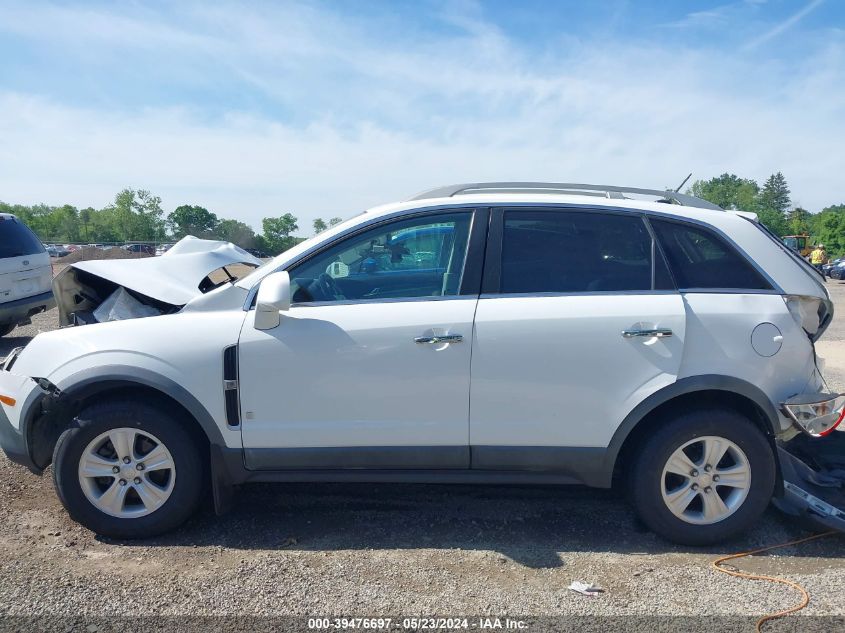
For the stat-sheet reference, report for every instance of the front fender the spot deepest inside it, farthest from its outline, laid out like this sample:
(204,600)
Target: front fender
(88,382)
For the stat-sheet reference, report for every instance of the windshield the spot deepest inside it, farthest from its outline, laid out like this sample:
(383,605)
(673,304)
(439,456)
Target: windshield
(791,242)
(16,240)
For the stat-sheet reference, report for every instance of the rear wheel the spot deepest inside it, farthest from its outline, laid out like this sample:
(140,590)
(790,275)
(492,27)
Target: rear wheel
(127,470)
(703,477)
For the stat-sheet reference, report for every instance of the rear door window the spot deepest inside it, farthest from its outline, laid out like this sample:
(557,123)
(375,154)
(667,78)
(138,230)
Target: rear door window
(698,258)
(16,240)
(563,251)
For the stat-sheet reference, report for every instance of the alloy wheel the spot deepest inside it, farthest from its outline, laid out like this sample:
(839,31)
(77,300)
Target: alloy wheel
(706,480)
(127,472)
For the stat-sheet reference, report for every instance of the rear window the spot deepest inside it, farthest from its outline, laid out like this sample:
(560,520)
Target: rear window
(558,251)
(16,240)
(699,258)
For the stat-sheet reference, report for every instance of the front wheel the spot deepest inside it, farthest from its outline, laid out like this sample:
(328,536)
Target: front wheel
(703,477)
(127,470)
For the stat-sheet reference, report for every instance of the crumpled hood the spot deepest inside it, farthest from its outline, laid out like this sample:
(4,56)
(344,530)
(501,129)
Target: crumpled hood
(174,277)
(115,289)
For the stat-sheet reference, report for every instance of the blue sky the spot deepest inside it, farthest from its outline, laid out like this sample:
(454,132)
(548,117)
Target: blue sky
(325,108)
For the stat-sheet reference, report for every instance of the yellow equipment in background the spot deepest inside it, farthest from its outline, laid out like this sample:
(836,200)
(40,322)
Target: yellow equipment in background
(799,243)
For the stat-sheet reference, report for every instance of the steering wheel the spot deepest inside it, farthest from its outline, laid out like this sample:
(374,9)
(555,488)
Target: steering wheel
(329,288)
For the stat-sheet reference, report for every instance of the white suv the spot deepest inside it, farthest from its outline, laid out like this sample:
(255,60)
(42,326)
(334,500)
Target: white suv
(25,274)
(491,333)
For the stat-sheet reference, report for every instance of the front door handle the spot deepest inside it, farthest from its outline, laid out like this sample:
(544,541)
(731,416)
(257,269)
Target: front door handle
(434,340)
(661,332)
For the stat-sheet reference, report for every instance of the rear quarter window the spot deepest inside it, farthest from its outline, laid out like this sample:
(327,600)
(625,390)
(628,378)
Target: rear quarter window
(16,240)
(699,258)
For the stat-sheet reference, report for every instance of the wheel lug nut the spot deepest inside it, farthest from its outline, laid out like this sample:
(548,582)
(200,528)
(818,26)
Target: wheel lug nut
(708,490)
(695,486)
(708,468)
(715,477)
(139,466)
(126,460)
(137,480)
(115,469)
(694,473)
(122,482)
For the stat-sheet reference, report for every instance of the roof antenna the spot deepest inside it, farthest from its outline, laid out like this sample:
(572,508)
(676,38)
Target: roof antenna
(683,183)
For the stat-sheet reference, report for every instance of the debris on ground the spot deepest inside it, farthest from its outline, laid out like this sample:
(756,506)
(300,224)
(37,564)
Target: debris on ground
(584,588)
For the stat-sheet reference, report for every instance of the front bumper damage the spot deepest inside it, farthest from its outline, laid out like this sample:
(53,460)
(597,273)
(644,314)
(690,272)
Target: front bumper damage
(813,470)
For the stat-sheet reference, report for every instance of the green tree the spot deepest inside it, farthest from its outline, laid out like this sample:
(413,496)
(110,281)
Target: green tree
(191,220)
(798,221)
(774,220)
(320,225)
(775,194)
(828,227)
(773,202)
(277,233)
(85,216)
(66,222)
(729,191)
(335,221)
(236,232)
(134,215)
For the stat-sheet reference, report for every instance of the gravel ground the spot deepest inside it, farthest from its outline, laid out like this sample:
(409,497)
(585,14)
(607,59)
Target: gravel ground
(402,549)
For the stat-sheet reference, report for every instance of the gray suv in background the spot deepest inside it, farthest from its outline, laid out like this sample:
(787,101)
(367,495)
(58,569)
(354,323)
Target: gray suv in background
(26,276)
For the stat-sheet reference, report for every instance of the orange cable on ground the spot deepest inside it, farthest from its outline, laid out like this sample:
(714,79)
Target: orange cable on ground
(805,597)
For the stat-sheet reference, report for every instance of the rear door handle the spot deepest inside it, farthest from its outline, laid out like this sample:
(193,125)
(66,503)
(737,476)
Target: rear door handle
(661,332)
(434,340)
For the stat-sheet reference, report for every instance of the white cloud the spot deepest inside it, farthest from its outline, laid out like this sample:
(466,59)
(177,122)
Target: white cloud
(358,113)
(785,25)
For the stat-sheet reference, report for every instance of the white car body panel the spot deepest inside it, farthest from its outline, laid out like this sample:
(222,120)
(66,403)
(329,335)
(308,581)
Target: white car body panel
(719,330)
(352,375)
(556,370)
(65,356)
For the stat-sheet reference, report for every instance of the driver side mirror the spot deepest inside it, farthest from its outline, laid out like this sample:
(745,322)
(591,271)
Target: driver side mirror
(273,297)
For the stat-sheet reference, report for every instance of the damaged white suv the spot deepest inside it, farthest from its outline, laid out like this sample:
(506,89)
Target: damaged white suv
(528,333)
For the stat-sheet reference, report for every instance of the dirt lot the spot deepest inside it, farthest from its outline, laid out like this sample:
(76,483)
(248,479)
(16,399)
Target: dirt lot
(414,550)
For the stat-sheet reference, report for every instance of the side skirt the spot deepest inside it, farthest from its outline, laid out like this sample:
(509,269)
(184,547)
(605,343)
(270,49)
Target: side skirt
(491,465)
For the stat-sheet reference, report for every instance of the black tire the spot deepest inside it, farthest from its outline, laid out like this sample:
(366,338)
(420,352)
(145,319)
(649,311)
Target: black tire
(5,328)
(645,475)
(130,413)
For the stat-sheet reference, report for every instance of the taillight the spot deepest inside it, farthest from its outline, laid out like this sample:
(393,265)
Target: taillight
(816,414)
(812,314)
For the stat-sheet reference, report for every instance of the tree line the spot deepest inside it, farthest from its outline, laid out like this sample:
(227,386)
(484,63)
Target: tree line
(774,207)
(137,216)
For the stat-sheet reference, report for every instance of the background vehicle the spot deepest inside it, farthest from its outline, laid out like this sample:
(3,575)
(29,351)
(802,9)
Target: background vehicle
(802,244)
(504,332)
(54,250)
(140,248)
(25,274)
(828,267)
(838,271)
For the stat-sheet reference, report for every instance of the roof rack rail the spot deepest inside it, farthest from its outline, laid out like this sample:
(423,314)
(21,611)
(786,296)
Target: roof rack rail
(567,188)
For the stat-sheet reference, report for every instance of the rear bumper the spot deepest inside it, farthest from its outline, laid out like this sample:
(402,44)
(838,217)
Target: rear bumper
(21,309)
(813,471)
